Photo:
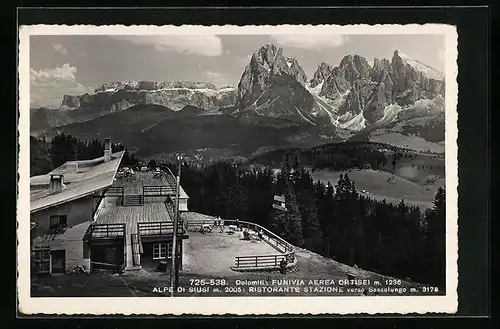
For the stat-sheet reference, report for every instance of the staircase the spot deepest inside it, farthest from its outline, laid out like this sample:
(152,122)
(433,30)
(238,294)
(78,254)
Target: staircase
(133,200)
(136,249)
(132,259)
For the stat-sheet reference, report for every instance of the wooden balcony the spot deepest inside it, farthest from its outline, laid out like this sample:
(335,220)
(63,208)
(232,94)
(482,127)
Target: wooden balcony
(156,229)
(105,231)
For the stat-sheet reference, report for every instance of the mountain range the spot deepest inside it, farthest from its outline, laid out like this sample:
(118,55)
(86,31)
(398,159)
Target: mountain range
(354,100)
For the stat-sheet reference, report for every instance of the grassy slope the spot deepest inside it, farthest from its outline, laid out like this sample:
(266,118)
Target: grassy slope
(414,179)
(383,185)
(404,141)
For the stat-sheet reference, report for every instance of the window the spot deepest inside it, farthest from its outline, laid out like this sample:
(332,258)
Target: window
(41,260)
(58,223)
(162,250)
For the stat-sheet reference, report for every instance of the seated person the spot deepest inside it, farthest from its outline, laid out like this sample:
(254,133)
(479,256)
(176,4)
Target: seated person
(246,235)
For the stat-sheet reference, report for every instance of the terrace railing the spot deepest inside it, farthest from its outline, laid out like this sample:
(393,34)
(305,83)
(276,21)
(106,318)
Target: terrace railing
(170,177)
(171,212)
(105,231)
(268,261)
(195,224)
(163,190)
(114,191)
(159,228)
(259,261)
(133,200)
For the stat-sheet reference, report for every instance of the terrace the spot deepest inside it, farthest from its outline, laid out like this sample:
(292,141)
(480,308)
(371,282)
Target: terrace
(215,253)
(233,248)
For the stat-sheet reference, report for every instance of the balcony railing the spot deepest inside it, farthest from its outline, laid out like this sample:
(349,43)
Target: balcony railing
(287,250)
(159,228)
(163,190)
(114,191)
(105,231)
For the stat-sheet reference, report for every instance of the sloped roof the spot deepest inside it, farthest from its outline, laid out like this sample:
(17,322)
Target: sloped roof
(92,175)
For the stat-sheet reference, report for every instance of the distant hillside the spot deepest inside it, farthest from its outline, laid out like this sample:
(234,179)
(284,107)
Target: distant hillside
(118,125)
(43,118)
(154,129)
(337,156)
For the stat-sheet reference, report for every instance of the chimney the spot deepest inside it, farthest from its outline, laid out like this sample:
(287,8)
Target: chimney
(56,183)
(72,167)
(107,150)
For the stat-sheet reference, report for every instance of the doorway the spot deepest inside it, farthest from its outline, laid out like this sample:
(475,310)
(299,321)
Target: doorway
(58,261)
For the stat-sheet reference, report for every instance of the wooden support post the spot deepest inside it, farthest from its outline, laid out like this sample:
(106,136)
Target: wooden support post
(175,267)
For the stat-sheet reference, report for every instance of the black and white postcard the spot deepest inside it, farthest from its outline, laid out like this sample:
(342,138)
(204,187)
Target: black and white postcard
(254,169)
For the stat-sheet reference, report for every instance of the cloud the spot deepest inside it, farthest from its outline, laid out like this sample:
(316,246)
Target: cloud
(48,86)
(217,78)
(65,72)
(204,45)
(310,42)
(60,49)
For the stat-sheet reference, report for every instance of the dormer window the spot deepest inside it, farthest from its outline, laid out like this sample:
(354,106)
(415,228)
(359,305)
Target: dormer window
(56,183)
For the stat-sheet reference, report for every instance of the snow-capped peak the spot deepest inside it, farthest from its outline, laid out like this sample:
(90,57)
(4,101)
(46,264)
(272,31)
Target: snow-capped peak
(421,67)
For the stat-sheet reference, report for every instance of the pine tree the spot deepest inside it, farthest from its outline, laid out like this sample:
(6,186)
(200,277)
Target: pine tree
(39,156)
(289,223)
(308,207)
(436,239)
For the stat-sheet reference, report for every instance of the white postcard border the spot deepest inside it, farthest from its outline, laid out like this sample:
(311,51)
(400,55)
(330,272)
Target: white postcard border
(239,305)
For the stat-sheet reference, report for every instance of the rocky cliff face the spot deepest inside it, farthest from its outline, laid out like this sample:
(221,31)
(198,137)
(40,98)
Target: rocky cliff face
(275,85)
(322,73)
(120,95)
(352,95)
(414,80)
(358,88)
(154,85)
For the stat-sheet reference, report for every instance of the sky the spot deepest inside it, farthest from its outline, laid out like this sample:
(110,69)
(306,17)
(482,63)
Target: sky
(76,64)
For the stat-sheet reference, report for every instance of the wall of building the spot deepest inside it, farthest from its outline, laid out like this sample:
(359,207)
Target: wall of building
(79,215)
(77,212)
(183,204)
